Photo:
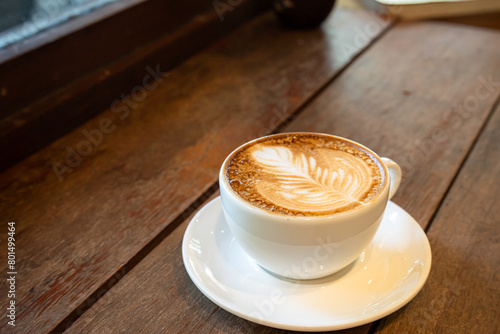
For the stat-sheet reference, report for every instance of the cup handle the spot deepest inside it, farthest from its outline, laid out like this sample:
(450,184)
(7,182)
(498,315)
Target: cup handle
(395,173)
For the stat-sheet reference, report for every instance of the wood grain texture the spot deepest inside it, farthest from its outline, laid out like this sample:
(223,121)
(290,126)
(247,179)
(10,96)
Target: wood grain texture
(160,149)
(421,105)
(463,292)
(145,308)
(373,93)
(72,92)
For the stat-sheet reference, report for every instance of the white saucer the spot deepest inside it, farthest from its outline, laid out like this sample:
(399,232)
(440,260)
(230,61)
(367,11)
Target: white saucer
(389,273)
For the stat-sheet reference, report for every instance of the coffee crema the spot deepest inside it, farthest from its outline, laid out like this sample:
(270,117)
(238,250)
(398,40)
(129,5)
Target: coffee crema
(305,174)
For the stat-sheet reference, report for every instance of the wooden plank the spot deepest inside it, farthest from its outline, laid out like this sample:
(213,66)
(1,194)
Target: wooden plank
(157,152)
(145,308)
(101,42)
(107,40)
(34,113)
(486,20)
(158,294)
(421,104)
(462,293)
(63,29)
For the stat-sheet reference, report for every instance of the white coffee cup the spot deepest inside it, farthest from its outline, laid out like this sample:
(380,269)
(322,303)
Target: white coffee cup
(306,247)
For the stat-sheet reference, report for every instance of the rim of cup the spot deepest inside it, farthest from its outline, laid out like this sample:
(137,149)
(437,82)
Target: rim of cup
(380,196)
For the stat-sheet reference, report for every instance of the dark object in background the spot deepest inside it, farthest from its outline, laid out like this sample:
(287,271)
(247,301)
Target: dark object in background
(302,14)
(14,12)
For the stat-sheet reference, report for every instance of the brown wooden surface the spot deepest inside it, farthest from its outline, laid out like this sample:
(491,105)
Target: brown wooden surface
(99,251)
(415,113)
(486,20)
(163,273)
(157,295)
(116,37)
(48,92)
(463,292)
(78,236)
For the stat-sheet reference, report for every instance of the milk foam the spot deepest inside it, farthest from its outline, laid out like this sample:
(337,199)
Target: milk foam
(311,175)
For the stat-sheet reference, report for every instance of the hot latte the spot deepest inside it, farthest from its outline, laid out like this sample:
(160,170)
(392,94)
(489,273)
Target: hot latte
(305,174)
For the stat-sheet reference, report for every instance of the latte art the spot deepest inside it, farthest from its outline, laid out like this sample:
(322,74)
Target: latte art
(305,175)
(311,183)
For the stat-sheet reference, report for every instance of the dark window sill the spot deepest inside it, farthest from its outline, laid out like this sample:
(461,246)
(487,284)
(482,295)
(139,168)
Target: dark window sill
(74,71)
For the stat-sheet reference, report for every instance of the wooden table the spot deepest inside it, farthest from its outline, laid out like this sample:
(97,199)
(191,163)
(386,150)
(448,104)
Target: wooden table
(98,231)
